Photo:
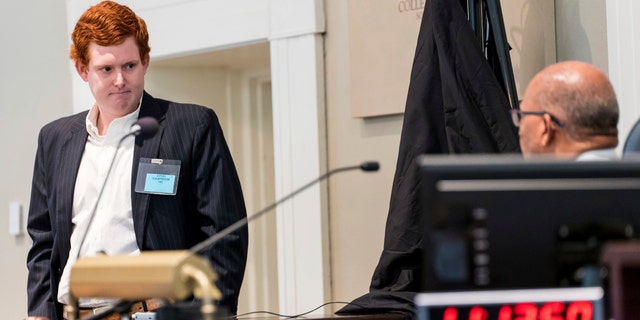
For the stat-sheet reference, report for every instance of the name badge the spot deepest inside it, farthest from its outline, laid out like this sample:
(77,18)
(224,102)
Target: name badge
(158,176)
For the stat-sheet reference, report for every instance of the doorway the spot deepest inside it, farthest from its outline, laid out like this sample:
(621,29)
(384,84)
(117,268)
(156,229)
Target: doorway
(236,84)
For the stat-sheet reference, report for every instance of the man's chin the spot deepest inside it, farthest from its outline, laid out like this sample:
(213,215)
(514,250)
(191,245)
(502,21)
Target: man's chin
(126,105)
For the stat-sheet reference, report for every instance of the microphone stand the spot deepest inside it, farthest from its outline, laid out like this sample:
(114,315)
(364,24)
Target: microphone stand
(104,183)
(145,128)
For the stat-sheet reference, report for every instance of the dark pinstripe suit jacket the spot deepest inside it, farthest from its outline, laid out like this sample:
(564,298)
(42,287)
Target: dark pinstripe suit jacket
(208,198)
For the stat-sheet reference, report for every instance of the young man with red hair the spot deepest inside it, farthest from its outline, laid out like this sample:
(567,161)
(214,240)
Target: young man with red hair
(80,207)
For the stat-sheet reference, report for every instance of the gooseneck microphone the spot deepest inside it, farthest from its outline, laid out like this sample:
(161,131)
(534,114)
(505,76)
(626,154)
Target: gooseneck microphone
(365,166)
(144,128)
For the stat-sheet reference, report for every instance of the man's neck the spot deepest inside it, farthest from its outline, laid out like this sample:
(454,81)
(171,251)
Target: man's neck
(103,123)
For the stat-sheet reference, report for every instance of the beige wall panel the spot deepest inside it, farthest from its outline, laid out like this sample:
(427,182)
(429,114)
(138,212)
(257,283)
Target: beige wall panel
(530,29)
(358,201)
(382,39)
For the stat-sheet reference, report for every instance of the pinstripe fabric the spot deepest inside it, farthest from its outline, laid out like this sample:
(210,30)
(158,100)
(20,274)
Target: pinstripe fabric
(208,199)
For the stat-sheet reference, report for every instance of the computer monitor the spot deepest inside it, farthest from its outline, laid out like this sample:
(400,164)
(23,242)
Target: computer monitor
(501,222)
(583,303)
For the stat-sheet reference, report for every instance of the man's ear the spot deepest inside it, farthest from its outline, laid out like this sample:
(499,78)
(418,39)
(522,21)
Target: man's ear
(548,130)
(145,62)
(83,71)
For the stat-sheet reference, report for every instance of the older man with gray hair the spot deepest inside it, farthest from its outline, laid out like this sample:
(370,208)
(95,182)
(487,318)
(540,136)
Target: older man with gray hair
(570,111)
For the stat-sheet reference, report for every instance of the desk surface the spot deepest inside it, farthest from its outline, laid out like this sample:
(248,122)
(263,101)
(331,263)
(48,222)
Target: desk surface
(380,316)
(192,312)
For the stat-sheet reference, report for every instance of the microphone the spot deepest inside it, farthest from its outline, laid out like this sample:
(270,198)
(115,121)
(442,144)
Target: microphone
(365,166)
(370,166)
(144,128)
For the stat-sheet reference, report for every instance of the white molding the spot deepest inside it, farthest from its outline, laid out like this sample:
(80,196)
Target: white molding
(290,18)
(260,286)
(182,27)
(297,71)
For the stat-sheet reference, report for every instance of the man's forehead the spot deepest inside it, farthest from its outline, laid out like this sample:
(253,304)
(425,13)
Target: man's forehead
(120,53)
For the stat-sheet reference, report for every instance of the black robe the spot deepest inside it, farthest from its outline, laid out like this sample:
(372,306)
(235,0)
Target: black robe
(455,104)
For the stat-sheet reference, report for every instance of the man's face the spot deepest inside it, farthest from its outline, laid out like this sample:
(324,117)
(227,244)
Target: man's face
(115,75)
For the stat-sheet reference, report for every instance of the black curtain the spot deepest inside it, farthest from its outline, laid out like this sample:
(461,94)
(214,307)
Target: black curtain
(455,104)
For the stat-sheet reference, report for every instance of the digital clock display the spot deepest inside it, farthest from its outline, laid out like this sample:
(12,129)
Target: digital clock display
(531,304)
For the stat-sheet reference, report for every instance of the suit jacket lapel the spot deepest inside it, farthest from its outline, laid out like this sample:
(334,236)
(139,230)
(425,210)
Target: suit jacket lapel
(69,161)
(145,149)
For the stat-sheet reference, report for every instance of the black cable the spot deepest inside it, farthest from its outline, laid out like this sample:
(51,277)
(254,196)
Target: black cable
(297,315)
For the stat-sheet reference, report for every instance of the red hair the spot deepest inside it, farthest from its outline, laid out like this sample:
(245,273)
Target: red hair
(106,24)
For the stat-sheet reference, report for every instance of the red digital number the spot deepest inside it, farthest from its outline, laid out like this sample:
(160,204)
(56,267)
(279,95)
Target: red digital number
(505,313)
(525,311)
(478,313)
(584,309)
(579,310)
(552,311)
(450,313)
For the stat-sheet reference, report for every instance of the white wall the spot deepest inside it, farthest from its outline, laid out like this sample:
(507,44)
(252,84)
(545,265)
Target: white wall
(623,41)
(34,89)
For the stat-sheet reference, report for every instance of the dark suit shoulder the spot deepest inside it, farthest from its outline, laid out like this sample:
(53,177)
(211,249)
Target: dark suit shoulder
(191,113)
(65,125)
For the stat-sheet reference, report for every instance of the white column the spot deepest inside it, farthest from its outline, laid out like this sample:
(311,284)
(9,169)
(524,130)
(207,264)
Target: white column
(297,74)
(624,60)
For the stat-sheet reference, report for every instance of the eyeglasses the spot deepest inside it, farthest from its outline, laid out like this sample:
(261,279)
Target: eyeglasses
(516,115)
